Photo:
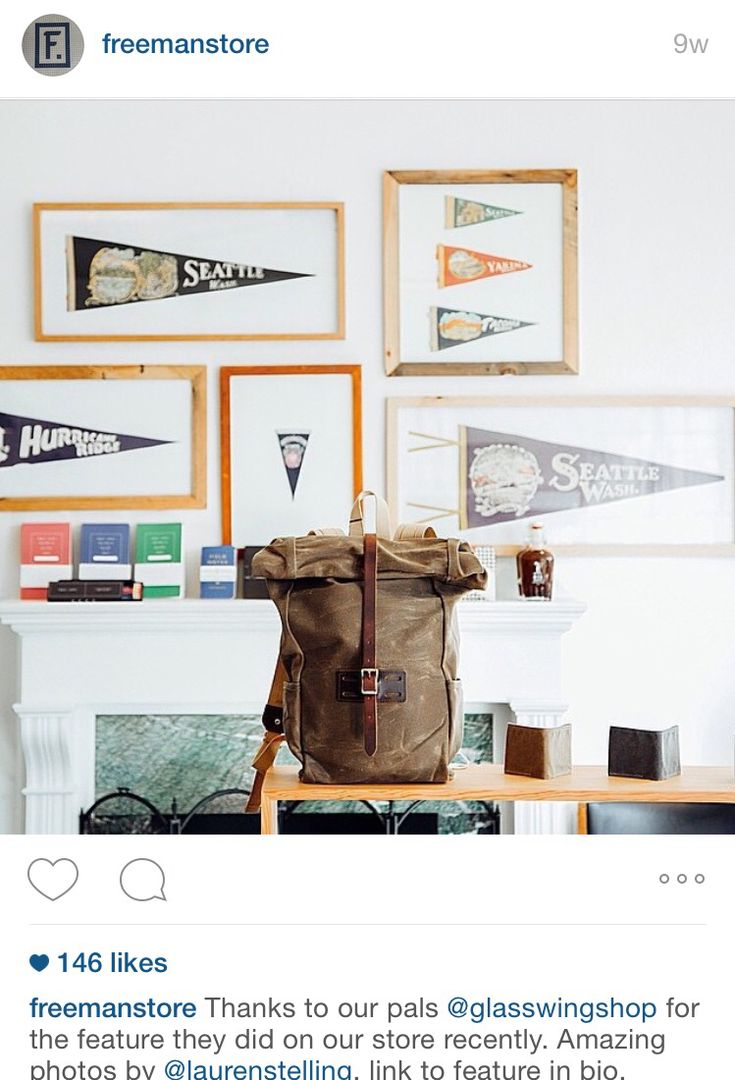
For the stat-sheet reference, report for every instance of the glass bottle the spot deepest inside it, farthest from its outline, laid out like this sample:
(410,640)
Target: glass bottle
(535,564)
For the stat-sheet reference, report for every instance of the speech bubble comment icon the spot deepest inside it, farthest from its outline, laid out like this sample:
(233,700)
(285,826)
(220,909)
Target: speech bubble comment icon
(53,879)
(143,879)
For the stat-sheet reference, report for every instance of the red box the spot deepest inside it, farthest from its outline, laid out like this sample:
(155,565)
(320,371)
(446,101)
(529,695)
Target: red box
(45,555)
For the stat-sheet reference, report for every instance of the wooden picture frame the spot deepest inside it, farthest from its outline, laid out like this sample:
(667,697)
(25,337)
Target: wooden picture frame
(159,411)
(606,475)
(277,478)
(103,270)
(488,225)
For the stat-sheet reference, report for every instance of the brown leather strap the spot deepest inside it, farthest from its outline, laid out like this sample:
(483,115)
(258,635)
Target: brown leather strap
(272,739)
(369,673)
(273,711)
(262,762)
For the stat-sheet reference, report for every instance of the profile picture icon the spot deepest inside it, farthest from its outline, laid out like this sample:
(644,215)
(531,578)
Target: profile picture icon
(53,45)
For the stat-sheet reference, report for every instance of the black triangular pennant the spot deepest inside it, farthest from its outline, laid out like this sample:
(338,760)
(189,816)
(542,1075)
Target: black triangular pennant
(106,273)
(452,326)
(293,447)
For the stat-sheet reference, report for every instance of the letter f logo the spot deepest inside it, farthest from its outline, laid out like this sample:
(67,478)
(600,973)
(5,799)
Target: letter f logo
(50,37)
(53,45)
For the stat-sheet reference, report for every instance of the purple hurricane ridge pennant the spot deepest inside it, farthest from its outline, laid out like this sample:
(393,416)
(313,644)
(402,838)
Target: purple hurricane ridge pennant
(25,440)
(105,273)
(293,447)
(505,476)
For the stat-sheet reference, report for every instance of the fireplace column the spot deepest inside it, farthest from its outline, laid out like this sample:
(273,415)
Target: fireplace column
(52,798)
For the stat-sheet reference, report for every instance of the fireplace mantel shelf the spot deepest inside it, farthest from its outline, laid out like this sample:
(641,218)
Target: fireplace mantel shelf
(26,617)
(215,657)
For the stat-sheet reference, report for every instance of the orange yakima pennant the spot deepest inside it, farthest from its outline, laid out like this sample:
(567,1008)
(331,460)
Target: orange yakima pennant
(458,265)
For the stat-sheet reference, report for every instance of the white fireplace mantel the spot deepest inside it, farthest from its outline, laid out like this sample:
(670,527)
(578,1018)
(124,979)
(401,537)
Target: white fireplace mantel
(77,661)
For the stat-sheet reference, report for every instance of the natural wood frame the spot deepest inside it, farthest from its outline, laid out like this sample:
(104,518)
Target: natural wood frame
(394,365)
(226,373)
(195,374)
(393,405)
(337,207)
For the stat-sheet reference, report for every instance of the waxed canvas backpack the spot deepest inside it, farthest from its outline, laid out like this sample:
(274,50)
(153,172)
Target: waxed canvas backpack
(366,689)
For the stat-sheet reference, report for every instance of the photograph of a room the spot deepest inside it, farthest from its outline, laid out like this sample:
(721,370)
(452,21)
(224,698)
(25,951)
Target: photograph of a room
(389,444)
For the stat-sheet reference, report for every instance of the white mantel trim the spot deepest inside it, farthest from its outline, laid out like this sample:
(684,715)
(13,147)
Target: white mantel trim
(162,707)
(201,616)
(171,616)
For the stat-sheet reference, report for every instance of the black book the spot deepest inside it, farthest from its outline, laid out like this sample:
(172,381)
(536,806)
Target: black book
(78,590)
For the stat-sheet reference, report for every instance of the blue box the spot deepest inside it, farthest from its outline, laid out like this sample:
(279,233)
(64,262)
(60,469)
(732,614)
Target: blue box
(218,573)
(104,552)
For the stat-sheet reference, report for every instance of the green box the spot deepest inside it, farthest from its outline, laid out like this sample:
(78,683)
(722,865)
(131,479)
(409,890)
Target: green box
(158,559)
(154,541)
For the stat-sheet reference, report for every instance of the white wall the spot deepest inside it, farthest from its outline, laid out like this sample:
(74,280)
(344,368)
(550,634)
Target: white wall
(657,269)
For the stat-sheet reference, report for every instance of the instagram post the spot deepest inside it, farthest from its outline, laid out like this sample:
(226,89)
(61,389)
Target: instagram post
(367,514)
(182,437)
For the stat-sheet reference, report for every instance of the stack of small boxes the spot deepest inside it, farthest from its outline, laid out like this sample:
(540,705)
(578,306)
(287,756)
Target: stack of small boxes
(104,556)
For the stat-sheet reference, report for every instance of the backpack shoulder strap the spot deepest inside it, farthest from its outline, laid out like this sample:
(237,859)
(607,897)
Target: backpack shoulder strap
(272,738)
(262,762)
(273,710)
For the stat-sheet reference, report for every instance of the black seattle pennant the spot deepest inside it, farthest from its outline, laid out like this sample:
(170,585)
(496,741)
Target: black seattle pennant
(505,476)
(28,441)
(293,447)
(105,273)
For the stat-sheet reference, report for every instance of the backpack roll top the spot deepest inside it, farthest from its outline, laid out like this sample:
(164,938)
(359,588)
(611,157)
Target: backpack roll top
(448,562)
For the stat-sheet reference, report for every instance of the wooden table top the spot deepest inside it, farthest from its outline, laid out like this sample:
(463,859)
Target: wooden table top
(586,783)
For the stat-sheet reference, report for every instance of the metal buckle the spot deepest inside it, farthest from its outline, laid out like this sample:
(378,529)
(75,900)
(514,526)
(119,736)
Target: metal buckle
(369,673)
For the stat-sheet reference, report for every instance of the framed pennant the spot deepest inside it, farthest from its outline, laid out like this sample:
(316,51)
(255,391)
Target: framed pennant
(189,271)
(605,475)
(291,449)
(480,272)
(103,436)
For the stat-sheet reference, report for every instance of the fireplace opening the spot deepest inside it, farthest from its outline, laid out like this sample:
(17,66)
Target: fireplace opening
(189,774)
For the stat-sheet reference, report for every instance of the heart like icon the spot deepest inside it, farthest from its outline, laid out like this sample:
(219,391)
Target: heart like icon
(39,961)
(53,879)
